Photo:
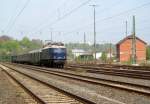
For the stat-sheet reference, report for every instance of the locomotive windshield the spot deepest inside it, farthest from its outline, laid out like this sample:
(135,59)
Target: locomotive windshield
(59,50)
(59,53)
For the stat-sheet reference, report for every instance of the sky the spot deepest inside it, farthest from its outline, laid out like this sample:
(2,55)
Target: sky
(69,20)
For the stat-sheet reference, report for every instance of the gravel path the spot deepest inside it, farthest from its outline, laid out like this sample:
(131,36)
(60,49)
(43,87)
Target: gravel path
(12,93)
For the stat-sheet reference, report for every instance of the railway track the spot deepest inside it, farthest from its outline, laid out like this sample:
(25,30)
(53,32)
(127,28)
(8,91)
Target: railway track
(114,66)
(11,92)
(122,85)
(133,73)
(42,92)
(138,88)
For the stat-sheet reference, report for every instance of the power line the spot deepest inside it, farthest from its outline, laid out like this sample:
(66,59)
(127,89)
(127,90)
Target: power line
(124,12)
(112,5)
(11,18)
(45,21)
(126,28)
(67,14)
(110,17)
(25,5)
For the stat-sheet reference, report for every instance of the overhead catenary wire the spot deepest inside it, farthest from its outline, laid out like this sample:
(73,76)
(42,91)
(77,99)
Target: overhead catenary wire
(12,16)
(116,3)
(84,3)
(66,15)
(110,17)
(20,12)
(45,21)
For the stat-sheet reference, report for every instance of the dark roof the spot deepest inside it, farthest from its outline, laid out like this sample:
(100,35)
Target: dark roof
(54,43)
(130,37)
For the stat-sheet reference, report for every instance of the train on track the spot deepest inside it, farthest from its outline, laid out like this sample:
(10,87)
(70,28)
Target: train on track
(51,55)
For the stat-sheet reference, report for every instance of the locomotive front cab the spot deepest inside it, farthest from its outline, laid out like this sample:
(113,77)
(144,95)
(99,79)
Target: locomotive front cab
(54,56)
(59,53)
(58,56)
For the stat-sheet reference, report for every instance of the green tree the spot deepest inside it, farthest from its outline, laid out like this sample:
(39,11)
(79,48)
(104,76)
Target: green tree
(25,42)
(9,46)
(28,45)
(104,57)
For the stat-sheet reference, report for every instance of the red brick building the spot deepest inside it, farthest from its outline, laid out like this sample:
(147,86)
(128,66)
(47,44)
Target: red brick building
(124,49)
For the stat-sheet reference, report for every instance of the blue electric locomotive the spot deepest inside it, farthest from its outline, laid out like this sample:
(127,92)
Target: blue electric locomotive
(52,55)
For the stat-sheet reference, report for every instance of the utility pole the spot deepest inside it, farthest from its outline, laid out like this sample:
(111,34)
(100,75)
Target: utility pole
(84,38)
(133,43)
(126,28)
(21,32)
(110,50)
(94,31)
(51,34)
(84,45)
(59,33)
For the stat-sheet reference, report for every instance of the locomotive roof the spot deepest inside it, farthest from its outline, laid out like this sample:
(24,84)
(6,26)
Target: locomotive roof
(33,51)
(40,50)
(54,46)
